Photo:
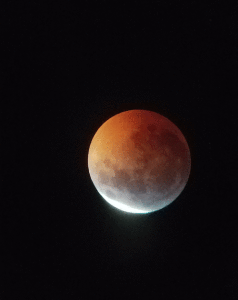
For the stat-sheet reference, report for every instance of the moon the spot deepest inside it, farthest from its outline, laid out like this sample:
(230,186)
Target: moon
(139,161)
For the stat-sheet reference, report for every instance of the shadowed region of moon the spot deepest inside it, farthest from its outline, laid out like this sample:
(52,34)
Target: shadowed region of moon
(139,161)
(121,179)
(107,163)
(103,177)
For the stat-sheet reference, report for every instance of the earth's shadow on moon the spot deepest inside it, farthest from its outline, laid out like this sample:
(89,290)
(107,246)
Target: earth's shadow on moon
(157,184)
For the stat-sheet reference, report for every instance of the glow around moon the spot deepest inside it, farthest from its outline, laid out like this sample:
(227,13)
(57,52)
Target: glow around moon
(139,161)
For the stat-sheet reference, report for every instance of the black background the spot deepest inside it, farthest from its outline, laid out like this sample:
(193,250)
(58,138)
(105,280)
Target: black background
(67,68)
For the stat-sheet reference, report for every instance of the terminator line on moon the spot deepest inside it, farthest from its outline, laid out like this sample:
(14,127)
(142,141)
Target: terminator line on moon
(139,161)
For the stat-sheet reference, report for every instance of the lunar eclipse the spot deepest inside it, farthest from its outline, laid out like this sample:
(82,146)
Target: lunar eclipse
(139,161)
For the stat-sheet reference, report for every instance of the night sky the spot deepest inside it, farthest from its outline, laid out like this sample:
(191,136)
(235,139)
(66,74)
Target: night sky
(66,69)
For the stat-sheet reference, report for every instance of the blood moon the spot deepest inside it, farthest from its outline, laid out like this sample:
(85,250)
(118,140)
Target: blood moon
(139,161)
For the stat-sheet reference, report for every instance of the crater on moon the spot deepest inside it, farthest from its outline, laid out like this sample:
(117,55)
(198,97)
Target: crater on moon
(110,194)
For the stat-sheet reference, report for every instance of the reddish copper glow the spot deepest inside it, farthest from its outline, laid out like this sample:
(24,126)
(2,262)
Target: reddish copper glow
(139,160)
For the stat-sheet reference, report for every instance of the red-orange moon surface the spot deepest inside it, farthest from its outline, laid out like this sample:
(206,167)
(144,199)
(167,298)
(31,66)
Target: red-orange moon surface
(139,161)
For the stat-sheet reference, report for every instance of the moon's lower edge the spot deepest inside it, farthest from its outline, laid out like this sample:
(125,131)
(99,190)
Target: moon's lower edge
(123,207)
